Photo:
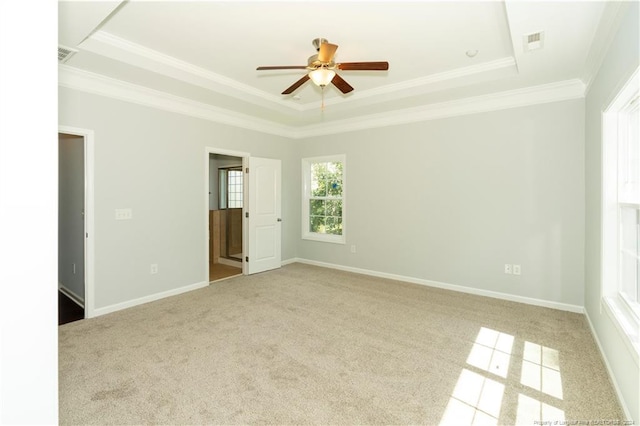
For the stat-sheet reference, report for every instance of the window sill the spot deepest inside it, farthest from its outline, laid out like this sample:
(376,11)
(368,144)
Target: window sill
(626,323)
(334,239)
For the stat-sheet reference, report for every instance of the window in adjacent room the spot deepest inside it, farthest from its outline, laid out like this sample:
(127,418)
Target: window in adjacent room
(323,205)
(621,210)
(230,188)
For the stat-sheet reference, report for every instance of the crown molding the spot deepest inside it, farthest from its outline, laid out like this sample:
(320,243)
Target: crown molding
(552,92)
(607,29)
(97,84)
(109,45)
(86,81)
(422,84)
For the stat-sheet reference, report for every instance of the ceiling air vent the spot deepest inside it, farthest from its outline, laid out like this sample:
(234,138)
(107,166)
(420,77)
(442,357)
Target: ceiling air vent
(64,53)
(533,41)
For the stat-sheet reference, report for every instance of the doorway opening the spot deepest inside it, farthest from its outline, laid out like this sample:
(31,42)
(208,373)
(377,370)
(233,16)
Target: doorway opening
(75,224)
(226,225)
(259,189)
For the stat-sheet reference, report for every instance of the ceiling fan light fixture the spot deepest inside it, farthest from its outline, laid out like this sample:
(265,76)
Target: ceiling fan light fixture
(321,68)
(322,76)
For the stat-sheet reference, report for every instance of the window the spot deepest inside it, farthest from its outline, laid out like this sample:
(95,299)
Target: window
(230,188)
(323,200)
(629,202)
(621,210)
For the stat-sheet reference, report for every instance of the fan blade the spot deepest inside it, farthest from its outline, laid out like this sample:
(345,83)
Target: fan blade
(283,67)
(295,85)
(363,66)
(327,50)
(342,85)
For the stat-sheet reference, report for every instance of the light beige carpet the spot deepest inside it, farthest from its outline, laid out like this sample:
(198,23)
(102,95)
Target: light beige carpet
(309,345)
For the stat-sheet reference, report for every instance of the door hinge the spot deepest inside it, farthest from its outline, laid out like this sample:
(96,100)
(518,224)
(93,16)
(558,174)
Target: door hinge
(246,170)
(246,259)
(246,214)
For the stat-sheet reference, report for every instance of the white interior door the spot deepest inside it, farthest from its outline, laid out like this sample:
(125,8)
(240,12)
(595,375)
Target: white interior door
(265,226)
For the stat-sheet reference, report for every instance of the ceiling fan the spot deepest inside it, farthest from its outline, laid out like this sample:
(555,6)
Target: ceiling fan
(322,68)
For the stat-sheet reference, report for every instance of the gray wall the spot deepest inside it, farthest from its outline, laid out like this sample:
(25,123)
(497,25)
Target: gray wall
(153,162)
(70,217)
(620,62)
(453,200)
(449,200)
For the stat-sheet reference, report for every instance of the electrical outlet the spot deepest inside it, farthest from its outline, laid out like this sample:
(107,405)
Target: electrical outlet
(507,268)
(516,270)
(154,268)
(353,249)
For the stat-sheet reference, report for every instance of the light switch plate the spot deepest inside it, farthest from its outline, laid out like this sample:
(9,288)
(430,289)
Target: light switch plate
(124,214)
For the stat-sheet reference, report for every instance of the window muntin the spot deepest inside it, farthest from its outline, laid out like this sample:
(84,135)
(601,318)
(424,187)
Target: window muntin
(324,199)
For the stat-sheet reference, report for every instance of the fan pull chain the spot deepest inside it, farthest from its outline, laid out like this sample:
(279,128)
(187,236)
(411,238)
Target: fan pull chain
(322,106)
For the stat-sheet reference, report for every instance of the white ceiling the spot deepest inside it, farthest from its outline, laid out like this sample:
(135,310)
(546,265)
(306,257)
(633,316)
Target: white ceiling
(200,58)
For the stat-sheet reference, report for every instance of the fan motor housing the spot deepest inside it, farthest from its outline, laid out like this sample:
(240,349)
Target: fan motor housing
(313,62)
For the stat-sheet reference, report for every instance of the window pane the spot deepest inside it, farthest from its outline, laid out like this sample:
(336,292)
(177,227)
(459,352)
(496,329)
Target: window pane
(317,207)
(234,188)
(318,172)
(334,225)
(629,252)
(631,152)
(317,224)
(334,171)
(334,207)
(629,277)
(319,188)
(334,188)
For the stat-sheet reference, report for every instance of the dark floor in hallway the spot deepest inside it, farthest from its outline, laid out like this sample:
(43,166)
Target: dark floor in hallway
(68,310)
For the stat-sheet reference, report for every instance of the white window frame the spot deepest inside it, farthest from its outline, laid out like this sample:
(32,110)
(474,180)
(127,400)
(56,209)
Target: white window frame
(618,308)
(306,196)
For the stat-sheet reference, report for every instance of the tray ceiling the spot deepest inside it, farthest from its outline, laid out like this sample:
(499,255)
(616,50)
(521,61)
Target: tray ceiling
(203,56)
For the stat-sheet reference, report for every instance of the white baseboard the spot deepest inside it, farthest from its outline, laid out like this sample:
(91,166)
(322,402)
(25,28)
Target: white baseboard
(446,286)
(289,261)
(71,295)
(625,409)
(146,299)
